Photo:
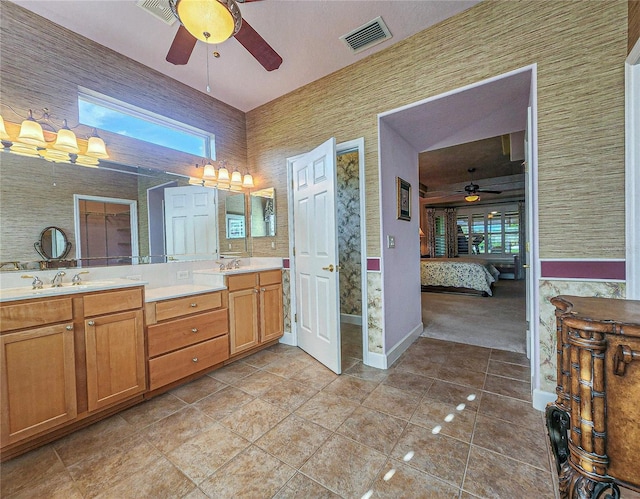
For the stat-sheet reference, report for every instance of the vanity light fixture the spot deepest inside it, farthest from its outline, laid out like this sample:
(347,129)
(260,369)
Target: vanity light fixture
(66,140)
(4,136)
(209,172)
(223,174)
(31,132)
(96,147)
(41,136)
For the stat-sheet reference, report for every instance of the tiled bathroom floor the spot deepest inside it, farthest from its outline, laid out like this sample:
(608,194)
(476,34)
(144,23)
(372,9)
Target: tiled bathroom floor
(447,420)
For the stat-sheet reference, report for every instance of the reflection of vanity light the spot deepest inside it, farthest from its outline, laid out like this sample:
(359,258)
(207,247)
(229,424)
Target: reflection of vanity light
(87,161)
(23,149)
(247,181)
(55,156)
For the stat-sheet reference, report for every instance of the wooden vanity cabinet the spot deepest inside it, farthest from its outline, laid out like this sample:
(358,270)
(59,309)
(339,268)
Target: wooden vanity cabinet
(114,342)
(38,385)
(186,336)
(255,309)
(66,362)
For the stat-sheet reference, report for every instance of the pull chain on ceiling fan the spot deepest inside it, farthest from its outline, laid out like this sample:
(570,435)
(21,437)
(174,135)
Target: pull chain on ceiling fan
(214,21)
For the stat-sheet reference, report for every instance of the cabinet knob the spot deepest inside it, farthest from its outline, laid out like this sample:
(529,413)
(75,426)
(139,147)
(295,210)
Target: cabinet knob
(195,359)
(91,323)
(255,290)
(69,328)
(194,305)
(262,289)
(194,330)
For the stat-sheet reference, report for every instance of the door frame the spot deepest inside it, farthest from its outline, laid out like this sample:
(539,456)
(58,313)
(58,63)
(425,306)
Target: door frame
(291,337)
(133,221)
(632,172)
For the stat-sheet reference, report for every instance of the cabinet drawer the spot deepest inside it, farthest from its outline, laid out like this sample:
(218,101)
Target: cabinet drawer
(177,365)
(242,281)
(35,313)
(270,277)
(112,301)
(188,305)
(180,333)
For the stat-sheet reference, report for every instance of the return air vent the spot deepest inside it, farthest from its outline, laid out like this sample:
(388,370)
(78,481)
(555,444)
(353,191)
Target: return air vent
(367,35)
(159,9)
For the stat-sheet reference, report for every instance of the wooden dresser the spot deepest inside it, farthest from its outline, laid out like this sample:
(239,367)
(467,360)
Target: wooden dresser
(594,425)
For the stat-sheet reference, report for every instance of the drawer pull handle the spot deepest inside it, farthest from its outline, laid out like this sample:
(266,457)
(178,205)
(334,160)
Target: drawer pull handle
(91,323)
(69,328)
(194,305)
(623,356)
(194,330)
(195,359)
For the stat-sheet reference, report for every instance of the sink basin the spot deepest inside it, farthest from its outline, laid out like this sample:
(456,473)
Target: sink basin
(22,293)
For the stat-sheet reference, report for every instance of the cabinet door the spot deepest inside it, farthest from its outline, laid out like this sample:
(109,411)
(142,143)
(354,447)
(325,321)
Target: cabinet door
(38,381)
(271,319)
(243,320)
(115,358)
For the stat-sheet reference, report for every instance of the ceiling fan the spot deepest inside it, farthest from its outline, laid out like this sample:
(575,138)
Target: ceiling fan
(214,21)
(471,190)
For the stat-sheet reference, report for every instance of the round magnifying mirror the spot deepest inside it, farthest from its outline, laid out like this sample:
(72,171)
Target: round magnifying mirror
(53,244)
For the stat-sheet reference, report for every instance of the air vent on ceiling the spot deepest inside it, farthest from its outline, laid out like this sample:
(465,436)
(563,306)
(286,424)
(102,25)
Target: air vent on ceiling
(159,9)
(367,35)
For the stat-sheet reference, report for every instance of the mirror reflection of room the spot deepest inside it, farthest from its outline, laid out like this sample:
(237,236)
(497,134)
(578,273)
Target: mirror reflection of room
(263,213)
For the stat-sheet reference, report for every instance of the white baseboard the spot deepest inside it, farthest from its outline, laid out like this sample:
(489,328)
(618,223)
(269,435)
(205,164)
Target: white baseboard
(382,361)
(288,339)
(542,398)
(351,319)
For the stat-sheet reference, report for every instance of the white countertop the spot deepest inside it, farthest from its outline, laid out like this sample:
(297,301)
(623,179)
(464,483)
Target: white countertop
(157,294)
(25,292)
(161,281)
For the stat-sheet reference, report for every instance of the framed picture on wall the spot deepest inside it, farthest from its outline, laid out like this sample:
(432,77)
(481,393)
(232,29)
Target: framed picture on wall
(404,199)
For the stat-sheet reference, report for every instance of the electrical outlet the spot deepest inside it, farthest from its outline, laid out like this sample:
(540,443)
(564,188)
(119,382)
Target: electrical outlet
(273,245)
(391,241)
(183,274)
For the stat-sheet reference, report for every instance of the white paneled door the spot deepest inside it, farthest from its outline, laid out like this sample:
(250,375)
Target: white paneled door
(316,254)
(190,223)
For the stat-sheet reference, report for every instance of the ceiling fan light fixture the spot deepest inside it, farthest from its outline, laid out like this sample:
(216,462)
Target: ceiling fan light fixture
(210,21)
(471,198)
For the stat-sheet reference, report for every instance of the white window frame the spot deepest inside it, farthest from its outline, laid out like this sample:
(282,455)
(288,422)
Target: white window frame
(108,102)
(468,212)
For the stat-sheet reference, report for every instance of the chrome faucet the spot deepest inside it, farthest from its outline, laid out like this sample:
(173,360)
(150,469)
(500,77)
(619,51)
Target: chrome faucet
(76,278)
(234,264)
(36,284)
(56,282)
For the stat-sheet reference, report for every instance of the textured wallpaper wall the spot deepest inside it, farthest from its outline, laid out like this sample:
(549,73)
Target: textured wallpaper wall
(579,49)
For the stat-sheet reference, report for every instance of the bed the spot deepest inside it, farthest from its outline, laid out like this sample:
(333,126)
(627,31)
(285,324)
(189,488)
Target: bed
(463,275)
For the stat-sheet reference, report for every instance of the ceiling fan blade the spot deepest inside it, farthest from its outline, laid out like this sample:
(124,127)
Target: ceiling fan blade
(182,46)
(258,47)
(489,192)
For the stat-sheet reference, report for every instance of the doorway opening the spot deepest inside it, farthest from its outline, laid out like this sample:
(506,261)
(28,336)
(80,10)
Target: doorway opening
(501,105)
(107,230)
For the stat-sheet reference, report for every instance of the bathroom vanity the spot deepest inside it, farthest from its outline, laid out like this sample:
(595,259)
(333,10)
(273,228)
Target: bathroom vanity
(75,354)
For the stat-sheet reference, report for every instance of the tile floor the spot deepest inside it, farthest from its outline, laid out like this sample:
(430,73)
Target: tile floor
(447,420)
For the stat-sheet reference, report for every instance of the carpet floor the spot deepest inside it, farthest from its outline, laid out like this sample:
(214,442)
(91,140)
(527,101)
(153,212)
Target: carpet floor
(496,321)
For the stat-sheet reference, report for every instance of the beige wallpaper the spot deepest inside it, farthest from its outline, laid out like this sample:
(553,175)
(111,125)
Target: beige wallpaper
(43,65)
(579,48)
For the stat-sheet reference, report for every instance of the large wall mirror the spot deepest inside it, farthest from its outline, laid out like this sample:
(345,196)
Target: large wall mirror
(263,213)
(36,194)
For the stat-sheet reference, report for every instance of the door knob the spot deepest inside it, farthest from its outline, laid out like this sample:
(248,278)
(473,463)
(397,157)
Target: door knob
(526,266)
(329,268)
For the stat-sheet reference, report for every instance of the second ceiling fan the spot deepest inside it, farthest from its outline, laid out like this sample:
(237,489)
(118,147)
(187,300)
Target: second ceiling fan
(214,21)
(472,190)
